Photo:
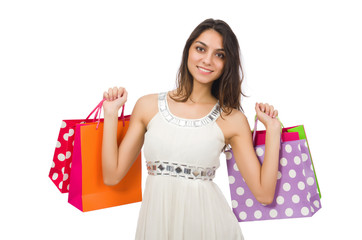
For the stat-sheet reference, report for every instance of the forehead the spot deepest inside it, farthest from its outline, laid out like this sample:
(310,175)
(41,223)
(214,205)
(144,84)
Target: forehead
(211,38)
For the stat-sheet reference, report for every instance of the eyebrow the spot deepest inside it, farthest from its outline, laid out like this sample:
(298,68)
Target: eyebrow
(204,44)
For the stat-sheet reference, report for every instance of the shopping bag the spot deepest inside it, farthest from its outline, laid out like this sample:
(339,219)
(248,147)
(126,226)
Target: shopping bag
(60,170)
(302,135)
(296,193)
(259,136)
(87,190)
(288,134)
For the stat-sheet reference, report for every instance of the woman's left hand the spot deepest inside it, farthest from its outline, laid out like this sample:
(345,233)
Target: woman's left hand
(267,115)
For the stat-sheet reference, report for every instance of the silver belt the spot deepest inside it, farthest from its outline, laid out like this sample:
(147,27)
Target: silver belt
(180,170)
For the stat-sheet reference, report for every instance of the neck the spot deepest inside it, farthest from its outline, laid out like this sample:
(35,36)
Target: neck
(201,93)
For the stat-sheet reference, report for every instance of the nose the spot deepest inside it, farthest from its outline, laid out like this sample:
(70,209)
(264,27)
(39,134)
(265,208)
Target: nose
(207,59)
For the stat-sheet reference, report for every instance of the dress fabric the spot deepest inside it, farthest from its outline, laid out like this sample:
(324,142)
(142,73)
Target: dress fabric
(183,205)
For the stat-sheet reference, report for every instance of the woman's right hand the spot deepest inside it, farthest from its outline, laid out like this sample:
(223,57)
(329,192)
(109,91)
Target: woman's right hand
(115,98)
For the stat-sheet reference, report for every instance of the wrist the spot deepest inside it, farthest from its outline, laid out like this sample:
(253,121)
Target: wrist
(110,113)
(273,125)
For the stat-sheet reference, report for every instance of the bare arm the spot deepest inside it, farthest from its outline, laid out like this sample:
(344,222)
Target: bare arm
(261,179)
(117,160)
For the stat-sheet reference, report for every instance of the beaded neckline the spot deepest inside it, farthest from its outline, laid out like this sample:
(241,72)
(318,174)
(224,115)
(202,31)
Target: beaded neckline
(184,122)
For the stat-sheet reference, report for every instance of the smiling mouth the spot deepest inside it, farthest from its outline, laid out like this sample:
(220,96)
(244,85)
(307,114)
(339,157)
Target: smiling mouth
(204,69)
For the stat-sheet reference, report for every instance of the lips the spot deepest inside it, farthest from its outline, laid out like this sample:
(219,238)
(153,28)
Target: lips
(204,70)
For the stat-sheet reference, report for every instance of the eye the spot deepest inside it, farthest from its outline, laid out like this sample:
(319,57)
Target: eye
(220,55)
(200,49)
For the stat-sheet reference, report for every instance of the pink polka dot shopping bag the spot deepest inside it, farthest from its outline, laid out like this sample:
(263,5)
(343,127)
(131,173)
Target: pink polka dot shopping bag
(297,192)
(60,170)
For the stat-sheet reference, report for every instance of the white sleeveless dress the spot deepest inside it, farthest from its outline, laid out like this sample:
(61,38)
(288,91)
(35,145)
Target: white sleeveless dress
(180,201)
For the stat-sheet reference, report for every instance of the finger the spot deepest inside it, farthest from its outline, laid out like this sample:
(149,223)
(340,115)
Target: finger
(267,109)
(110,94)
(271,110)
(257,108)
(105,95)
(121,91)
(261,107)
(125,95)
(275,114)
(115,93)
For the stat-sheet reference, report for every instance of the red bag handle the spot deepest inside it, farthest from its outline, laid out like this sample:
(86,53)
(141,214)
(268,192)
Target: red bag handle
(98,110)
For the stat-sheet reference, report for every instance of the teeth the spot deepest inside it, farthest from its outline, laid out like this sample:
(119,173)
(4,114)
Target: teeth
(204,70)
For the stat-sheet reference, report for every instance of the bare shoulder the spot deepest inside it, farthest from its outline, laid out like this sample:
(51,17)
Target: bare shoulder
(146,107)
(235,119)
(233,124)
(147,101)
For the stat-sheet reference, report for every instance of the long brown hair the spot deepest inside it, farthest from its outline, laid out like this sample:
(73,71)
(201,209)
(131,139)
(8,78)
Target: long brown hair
(227,88)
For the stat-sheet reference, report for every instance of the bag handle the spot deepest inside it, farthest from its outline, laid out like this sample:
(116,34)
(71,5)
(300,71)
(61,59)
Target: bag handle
(255,129)
(98,110)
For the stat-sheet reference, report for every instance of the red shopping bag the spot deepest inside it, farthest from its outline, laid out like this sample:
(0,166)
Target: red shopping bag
(60,170)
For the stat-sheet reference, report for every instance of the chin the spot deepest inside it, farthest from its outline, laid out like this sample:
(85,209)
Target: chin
(204,81)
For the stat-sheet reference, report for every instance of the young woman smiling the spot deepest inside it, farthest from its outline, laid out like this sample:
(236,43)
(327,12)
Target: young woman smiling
(183,132)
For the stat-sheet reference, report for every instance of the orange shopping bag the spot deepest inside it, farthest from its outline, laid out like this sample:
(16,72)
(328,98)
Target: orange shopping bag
(87,191)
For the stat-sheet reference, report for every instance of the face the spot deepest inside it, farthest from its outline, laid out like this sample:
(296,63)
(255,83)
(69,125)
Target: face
(206,57)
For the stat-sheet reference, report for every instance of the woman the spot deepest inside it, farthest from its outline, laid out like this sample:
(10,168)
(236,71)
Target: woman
(184,131)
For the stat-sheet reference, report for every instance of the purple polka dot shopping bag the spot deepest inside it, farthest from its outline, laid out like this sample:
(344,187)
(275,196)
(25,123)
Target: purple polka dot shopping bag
(297,192)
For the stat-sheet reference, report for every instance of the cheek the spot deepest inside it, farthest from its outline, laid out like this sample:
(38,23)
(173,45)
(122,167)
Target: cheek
(189,64)
(221,65)
(192,61)
(192,57)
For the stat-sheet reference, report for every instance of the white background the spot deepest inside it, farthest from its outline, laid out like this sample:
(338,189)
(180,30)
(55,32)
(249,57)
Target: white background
(57,58)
